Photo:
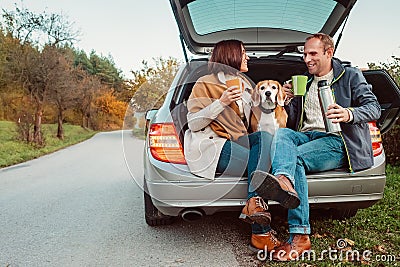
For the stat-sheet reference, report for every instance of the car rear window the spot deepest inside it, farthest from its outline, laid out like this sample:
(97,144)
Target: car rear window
(307,16)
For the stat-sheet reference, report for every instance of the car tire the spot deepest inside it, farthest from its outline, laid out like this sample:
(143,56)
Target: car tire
(152,215)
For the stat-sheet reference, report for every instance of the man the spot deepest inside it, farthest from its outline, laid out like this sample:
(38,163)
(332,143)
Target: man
(306,147)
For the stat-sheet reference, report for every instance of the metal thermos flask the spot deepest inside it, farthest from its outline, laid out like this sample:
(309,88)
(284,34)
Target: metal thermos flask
(325,99)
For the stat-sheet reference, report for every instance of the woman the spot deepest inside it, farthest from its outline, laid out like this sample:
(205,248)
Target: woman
(217,140)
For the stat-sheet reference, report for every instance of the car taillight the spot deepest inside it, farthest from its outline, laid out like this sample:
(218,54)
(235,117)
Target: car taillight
(376,138)
(164,143)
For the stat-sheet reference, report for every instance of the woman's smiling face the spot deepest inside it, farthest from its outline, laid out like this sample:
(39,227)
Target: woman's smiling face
(245,58)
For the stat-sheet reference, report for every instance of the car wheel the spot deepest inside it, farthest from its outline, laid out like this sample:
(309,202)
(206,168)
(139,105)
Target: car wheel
(340,214)
(152,215)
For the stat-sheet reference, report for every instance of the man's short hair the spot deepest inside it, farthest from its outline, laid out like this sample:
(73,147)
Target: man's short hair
(325,39)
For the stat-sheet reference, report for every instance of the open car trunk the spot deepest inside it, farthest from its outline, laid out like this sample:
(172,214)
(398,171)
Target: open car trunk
(261,25)
(281,69)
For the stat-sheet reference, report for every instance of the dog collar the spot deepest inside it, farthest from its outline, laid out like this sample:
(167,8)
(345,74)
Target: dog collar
(267,110)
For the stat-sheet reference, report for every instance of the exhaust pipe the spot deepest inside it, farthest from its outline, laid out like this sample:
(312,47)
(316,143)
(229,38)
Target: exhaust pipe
(190,215)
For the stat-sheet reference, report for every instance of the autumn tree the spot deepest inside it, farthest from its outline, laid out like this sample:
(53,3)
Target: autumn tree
(29,27)
(22,23)
(3,81)
(31,65)
(10,87)
(31,72)
(88,87)
(62,91)
(151,83)
(110,111)
(40,70)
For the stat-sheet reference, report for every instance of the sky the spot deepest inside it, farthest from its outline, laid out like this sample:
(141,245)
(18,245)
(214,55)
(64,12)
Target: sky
(132,31)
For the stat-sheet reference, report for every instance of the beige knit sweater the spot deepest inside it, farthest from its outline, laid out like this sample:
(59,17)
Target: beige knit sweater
(313,119)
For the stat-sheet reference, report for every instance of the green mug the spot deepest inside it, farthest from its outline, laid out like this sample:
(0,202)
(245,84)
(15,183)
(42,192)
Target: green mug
(299,84)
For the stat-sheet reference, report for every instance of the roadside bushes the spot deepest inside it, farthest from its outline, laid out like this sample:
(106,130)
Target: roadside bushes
(391,145)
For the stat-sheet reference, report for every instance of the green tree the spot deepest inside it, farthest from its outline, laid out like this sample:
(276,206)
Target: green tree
(105,69)
(393,67)
(83,62)
(391,138)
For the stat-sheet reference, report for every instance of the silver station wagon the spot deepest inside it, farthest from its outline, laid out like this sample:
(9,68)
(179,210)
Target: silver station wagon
(273,33)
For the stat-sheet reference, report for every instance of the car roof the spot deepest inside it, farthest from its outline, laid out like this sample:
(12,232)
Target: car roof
(261,25)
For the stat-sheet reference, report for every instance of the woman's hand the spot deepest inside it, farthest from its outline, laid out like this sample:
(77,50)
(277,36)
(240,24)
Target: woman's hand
(230,95)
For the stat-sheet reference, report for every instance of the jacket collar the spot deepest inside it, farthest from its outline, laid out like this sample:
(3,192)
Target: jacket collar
(338,71)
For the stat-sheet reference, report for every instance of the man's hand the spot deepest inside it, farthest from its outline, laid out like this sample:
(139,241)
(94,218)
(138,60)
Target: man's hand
(287,87)
(337,113)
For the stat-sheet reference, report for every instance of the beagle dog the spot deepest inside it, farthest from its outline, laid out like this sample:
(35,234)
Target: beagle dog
(269,114)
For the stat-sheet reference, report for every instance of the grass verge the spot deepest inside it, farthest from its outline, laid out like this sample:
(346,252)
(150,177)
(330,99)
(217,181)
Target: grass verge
(374,231)
(13,151)
(139,133)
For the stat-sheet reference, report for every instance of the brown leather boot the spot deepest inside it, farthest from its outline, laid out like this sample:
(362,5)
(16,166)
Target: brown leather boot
(292,250)
(278,188)
(266,242)
(255,210)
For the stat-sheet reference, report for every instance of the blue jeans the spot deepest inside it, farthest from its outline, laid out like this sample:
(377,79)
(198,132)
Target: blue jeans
(250,152)
(294,154)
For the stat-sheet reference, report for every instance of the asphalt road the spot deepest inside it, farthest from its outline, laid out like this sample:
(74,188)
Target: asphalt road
(83,206)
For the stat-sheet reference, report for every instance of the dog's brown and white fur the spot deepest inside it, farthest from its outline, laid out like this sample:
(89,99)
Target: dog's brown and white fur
(268,100)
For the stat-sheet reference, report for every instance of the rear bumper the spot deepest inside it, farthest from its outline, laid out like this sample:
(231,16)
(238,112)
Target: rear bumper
(173,188)
(171,197)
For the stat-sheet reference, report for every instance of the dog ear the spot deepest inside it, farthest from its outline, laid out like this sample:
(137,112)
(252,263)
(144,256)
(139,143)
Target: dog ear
(255,96)
(281,97)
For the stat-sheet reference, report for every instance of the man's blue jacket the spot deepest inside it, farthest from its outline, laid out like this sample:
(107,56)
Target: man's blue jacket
(352,91)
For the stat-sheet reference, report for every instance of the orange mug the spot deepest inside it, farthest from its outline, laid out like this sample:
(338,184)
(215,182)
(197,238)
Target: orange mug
(234,82)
